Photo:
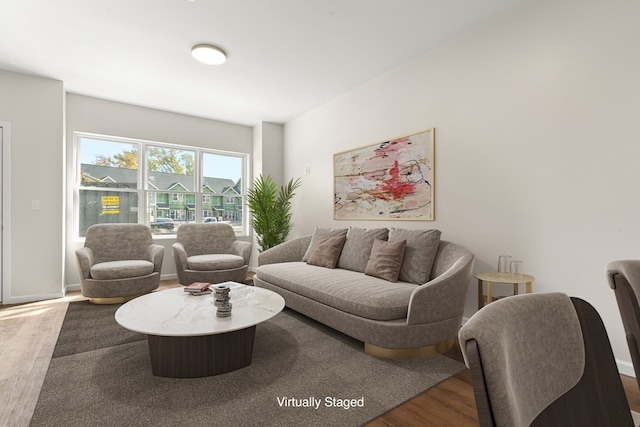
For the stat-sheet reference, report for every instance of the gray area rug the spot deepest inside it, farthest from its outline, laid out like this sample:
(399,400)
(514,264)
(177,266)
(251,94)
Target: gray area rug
(100,375)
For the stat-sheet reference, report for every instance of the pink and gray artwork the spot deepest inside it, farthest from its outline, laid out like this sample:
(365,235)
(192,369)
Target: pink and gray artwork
(388,180)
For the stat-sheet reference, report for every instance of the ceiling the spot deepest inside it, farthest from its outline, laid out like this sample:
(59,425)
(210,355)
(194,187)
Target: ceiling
(284,57)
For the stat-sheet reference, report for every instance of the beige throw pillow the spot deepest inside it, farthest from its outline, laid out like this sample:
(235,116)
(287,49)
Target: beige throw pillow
(386,259)
(326,251)
(319,232)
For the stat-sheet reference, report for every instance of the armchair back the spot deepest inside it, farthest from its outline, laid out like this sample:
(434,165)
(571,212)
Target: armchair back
(114,242)
(204,239)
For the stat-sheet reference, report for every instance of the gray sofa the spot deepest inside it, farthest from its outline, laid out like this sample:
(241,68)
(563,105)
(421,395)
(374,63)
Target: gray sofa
(416,316)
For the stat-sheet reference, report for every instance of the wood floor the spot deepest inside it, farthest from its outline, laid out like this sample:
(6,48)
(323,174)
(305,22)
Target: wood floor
(28,333)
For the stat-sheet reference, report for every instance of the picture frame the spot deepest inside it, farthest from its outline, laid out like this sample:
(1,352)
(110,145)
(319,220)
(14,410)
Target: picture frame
(388,180)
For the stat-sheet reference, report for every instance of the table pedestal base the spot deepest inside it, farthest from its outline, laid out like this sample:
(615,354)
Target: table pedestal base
(200,356)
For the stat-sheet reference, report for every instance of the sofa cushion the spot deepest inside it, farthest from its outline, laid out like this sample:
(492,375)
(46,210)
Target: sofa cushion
(326,251)
(319,232)
(121,269)
(345,290)
(386,259)
(419,254)
(357,248)
(212,262)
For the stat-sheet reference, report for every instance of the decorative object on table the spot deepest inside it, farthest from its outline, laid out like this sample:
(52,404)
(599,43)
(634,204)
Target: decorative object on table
(198,288)
(392,179)
(503,264)
(271,210)
(515,268)
(221,300)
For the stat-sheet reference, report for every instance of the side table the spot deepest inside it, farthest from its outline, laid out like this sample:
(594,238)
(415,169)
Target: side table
(495,277)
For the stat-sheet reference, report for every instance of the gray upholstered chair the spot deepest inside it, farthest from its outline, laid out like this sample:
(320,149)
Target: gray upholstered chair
(210,253)
(624,279)
(118,262)
(543,360)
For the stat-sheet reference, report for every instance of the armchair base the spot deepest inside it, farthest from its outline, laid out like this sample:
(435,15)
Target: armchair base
(113,300)
(409,353)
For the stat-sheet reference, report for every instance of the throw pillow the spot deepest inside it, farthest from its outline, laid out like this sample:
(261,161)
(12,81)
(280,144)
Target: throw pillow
(357,248)
(326,251)
(386,259)
(419,254)
(322,232)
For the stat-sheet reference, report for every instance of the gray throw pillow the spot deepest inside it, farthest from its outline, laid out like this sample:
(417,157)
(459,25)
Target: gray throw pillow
(386,259)
(419,254)
(319,232)
(327,251)
(357,247)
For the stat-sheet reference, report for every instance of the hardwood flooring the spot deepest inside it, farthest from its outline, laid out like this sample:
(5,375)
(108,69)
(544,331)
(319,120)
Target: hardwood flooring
(28,333)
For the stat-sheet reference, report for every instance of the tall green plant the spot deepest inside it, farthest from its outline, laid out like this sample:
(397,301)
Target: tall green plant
(271,210)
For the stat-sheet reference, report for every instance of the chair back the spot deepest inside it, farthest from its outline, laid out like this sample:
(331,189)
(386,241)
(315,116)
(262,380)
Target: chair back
(210,238)
(115,242)
(543,360)
(624,278)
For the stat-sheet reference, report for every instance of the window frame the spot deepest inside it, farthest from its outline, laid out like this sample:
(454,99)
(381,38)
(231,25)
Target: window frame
(144,190)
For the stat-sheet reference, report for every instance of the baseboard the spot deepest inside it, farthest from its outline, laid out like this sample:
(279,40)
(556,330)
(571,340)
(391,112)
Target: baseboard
(68,288)
(32,298)
(625,368)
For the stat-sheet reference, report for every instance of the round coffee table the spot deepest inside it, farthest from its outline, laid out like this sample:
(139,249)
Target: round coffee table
(187,340)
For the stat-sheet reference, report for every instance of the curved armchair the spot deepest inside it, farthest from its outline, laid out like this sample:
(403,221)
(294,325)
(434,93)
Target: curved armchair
(543,360)
(210,253)
(118,262)
(624,278)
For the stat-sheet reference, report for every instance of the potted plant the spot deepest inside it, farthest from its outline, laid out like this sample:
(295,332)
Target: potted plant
(271,210)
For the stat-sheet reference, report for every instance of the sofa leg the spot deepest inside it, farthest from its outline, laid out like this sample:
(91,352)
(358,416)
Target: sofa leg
(113,300)
(409,353)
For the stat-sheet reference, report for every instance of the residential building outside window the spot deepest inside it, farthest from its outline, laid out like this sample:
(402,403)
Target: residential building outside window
(160,185)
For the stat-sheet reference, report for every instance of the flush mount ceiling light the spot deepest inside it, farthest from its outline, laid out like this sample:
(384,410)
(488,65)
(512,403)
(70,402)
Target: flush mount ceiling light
(208,54)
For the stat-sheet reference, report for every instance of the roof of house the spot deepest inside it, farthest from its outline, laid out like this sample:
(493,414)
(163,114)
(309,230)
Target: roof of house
(158,180)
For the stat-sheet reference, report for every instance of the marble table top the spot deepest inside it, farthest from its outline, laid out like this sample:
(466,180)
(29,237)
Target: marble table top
(174,312)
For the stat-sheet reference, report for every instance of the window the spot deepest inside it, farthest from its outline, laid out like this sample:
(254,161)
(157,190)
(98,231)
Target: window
(161,185)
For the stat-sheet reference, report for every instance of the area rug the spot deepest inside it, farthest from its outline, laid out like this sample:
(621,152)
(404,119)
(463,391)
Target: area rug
(302,373)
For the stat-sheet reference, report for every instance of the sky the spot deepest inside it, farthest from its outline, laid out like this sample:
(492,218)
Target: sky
(215,166)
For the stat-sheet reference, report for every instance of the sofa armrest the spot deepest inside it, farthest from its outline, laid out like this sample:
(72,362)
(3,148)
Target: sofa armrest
(180,256)
(84,257)
(442,297)
(156,254)
(289,251)
(242,249)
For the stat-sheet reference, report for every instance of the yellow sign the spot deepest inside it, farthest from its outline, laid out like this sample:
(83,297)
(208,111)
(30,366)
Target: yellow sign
(110,205)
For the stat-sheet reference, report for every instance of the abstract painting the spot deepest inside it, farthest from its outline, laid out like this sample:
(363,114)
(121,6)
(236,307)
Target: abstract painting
(388,180)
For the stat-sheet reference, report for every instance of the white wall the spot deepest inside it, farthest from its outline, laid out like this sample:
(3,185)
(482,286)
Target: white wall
(537,118)
(268,142)
(85,114)
(34,106)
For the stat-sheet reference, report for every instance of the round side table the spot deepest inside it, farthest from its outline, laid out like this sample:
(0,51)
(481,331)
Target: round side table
(495,277)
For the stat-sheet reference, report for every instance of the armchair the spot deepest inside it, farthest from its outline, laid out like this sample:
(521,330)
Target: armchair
(118,262)
(543,360)
(624,278)
(210,253)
